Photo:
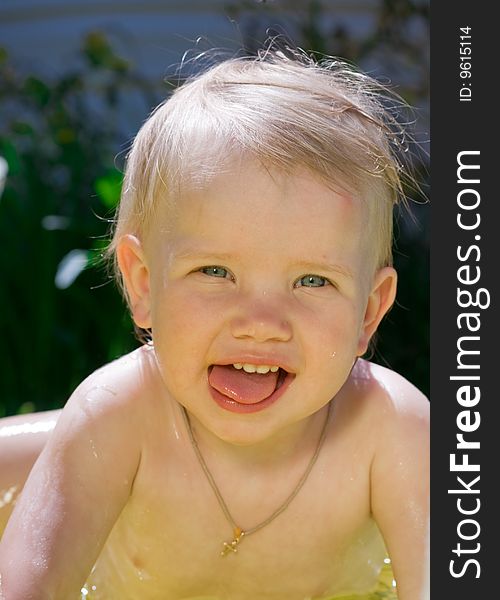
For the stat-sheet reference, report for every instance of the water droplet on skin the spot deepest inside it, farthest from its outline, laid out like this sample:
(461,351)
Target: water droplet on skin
(143,575)
(7,496)
(92,446)
(333,354)
(176,431)
(90,396)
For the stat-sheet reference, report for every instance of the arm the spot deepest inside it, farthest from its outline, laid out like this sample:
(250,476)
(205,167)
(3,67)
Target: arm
(71,499)
(400,488)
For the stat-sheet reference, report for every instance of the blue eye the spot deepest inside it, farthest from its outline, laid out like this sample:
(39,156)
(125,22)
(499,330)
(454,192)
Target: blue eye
(216,272)
(312,281)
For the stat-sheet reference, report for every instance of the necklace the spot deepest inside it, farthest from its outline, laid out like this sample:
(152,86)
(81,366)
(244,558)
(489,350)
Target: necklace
(238,532)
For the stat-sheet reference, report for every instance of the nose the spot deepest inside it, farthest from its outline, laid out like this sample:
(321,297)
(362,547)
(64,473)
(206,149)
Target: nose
(261,321)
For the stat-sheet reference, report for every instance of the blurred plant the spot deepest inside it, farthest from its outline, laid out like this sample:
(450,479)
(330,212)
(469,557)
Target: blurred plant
(60,319)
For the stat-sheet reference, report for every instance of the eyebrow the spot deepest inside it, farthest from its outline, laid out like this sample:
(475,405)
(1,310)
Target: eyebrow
(209,256)
(323,266)
(305,266)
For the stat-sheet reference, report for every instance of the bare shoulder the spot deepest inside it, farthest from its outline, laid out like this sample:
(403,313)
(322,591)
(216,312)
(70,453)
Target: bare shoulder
(121,378)
(386,413)
(114,389)
(388,396)
(107,408)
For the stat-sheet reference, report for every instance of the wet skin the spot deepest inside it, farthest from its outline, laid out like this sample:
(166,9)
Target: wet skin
(261,268)
(325,544)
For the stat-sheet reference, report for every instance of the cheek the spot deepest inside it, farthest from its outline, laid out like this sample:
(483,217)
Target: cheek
(336,334)
(180,342)
(183,323)
(174,319)
(329,356)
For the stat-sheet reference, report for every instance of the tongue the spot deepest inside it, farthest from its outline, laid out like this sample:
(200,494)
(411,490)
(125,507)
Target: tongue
(237,384)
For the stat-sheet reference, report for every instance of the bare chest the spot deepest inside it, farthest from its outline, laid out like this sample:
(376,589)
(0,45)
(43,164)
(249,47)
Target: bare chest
(168,541)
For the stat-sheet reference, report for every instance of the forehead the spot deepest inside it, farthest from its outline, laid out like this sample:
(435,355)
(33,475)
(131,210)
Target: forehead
(265,211)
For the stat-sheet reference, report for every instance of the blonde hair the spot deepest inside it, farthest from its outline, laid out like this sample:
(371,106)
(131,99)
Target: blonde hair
(286,110)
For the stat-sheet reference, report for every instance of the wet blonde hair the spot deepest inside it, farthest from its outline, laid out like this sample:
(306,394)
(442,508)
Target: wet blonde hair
(285,109)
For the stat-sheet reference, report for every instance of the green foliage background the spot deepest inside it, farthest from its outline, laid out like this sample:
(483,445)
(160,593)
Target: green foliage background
(65,160)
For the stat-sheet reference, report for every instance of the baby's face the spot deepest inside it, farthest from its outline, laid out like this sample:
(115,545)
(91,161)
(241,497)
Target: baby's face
(265,270)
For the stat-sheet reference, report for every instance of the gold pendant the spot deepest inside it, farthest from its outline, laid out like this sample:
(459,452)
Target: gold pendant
(238,533)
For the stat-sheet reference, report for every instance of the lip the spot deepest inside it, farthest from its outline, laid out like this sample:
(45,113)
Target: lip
(232,405)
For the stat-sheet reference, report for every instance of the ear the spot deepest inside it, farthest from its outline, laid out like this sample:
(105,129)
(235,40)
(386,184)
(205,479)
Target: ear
(380,301)
(135,273)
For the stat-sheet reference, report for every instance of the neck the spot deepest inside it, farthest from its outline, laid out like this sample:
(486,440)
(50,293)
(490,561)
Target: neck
(287,445)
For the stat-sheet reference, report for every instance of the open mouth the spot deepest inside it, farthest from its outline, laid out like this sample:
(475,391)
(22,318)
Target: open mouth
(245,387)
